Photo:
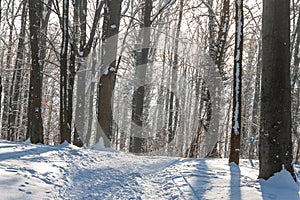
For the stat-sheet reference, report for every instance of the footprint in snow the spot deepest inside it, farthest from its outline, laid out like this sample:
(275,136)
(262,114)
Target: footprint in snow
(11,170)
(23,190)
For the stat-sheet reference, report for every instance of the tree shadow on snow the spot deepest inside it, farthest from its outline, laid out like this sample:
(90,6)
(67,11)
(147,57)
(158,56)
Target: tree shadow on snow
(235,182)
(197,179)
(35,152)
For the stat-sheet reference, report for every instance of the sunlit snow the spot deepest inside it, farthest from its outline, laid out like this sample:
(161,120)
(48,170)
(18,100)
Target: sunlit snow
(66,172)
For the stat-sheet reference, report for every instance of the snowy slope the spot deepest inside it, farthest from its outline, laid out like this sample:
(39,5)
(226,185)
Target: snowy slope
(66,172)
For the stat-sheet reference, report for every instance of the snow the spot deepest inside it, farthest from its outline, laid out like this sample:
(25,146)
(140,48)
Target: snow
(281,185)
(36,109)
(44,14)
(106,70)
(113,26)
(236,125)
(30,171)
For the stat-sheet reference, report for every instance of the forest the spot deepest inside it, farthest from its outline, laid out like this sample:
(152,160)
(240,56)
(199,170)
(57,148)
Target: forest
(154,77)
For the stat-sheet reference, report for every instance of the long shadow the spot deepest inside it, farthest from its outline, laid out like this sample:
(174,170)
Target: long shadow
(196,178)
(19,154)
(8,144)
(203,177)
(235,182)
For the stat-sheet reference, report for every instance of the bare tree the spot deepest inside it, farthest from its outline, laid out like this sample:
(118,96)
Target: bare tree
(15,90)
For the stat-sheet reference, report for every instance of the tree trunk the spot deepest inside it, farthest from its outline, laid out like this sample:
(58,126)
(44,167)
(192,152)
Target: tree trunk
(174,101)
(72,72)
(1,87)
(106,85)
(16,79)
(80,13)
(275,147)
(217,54)
(256,101)
(138,139)
(7,92)
(35,125)
(63,120)
(221,41)
(234,155)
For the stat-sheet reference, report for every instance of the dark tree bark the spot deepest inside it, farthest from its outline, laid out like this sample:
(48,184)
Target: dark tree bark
(35,125)
(106,85)
(275,144)
(63,120)
(234,155)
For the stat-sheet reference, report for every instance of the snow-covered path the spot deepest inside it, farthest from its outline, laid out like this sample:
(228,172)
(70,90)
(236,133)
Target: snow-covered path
(67,172)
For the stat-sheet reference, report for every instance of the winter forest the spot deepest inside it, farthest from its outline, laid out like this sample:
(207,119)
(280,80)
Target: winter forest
(192,79)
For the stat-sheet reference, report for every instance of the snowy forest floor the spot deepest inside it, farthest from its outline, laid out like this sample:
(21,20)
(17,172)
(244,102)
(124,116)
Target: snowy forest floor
(66,172)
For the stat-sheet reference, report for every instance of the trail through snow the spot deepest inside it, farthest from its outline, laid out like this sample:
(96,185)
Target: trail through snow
(66,172)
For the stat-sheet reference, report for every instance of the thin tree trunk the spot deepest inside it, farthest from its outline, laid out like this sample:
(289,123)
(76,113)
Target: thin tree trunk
(16,79)
(63,120)
(91,99)
(44,31)
(1,86)
(6,110)
(256,100)
(235,145)
(221,41)
(71,75)
(173,109)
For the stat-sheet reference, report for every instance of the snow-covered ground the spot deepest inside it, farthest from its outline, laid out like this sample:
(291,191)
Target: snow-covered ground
(66,172)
